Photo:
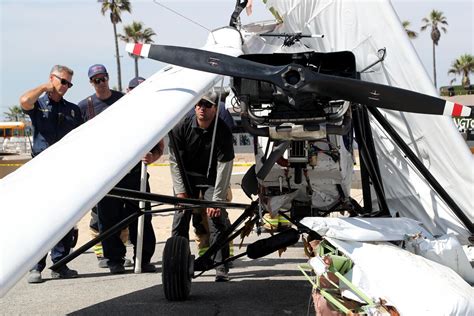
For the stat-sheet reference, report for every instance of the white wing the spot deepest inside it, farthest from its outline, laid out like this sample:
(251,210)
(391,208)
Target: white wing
(52,192)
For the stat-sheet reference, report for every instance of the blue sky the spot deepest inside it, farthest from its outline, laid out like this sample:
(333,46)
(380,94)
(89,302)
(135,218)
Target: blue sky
(35,35)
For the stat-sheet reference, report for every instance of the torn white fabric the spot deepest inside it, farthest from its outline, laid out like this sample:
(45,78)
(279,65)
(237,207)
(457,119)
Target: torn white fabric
(447,251)
(411,283)
(365,229)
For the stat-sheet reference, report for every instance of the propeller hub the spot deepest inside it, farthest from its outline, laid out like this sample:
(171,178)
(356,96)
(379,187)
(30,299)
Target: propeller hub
(293,77)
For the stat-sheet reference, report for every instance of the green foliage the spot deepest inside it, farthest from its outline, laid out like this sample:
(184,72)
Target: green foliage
(137,33)
(15,114)
(455,90)
(464,66)
(411,34)
(436,20)
(116,7)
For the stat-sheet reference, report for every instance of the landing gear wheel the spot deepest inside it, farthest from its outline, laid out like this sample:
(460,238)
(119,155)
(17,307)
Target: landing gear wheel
(177,268)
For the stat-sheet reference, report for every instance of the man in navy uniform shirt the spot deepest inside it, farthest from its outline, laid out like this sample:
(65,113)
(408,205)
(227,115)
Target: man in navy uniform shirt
(52,118)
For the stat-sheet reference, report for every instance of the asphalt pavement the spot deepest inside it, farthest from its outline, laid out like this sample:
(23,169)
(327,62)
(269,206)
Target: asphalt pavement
(266,286)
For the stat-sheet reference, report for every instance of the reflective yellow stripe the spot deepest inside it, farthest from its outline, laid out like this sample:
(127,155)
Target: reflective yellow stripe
(270,220)
(166,164)
(281,219)
(202,250)
(99,252)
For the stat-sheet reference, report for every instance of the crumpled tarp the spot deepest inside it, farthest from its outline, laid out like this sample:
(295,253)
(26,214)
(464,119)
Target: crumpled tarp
(365,229)
(411,283)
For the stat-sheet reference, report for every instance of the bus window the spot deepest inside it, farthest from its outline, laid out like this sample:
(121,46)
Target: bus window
(10,129)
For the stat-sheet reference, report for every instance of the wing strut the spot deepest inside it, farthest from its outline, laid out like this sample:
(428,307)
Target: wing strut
(424,171)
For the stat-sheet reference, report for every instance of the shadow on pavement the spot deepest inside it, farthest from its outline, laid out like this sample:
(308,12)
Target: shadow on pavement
(247,297)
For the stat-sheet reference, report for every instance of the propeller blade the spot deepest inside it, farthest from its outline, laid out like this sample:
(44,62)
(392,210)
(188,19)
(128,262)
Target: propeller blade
(382,96)
(297,78)
(207,61)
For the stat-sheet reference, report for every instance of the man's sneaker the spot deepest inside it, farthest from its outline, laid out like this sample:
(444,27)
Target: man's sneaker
(148,268)
(64,273)
(222,275)
(116,268)
(103,263)
(35,277)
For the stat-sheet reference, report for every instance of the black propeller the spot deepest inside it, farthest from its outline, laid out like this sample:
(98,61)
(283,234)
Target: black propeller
(212,62)
(381,96)
(297,78)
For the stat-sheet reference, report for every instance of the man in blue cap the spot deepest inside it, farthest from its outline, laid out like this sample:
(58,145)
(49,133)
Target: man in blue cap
(90,107)
(103,97)
(111,211)
(134,83)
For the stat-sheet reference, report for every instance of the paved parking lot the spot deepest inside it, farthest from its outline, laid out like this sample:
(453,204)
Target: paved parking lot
(266,286)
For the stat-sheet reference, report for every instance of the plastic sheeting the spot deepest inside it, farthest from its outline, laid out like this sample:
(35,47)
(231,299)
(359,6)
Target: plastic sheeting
(421,287)
(364,27)
(447,251)
(365,229)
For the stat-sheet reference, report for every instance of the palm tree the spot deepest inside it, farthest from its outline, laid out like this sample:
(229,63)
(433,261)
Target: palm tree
(435,19)
(116,7)
(137,33)
(411,34)
(464,66)
(15,114)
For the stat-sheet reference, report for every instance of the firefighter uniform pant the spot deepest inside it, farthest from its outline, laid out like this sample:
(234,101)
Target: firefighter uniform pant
(112,210)
(59,251)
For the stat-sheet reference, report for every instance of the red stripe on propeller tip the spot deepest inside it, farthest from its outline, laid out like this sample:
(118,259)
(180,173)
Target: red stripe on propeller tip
(457,109)
(137,49)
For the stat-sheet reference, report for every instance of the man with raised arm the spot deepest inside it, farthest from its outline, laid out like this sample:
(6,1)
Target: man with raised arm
(52,118)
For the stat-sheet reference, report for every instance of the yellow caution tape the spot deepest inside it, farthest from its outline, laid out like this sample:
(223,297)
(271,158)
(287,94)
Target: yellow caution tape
(166,164)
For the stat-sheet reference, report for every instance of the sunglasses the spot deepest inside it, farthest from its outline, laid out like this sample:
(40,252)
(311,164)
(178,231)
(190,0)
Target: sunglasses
(99,80)
(205,104)
(64,82)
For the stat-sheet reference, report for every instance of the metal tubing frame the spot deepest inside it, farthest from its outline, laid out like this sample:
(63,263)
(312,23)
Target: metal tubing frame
(367,152)
(117,227)
(112,230)
(204,262)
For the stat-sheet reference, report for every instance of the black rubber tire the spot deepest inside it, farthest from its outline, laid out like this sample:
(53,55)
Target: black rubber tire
(176,270)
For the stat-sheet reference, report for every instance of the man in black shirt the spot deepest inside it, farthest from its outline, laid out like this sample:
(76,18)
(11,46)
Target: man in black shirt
(207,157)
(52,118)
(111,211)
